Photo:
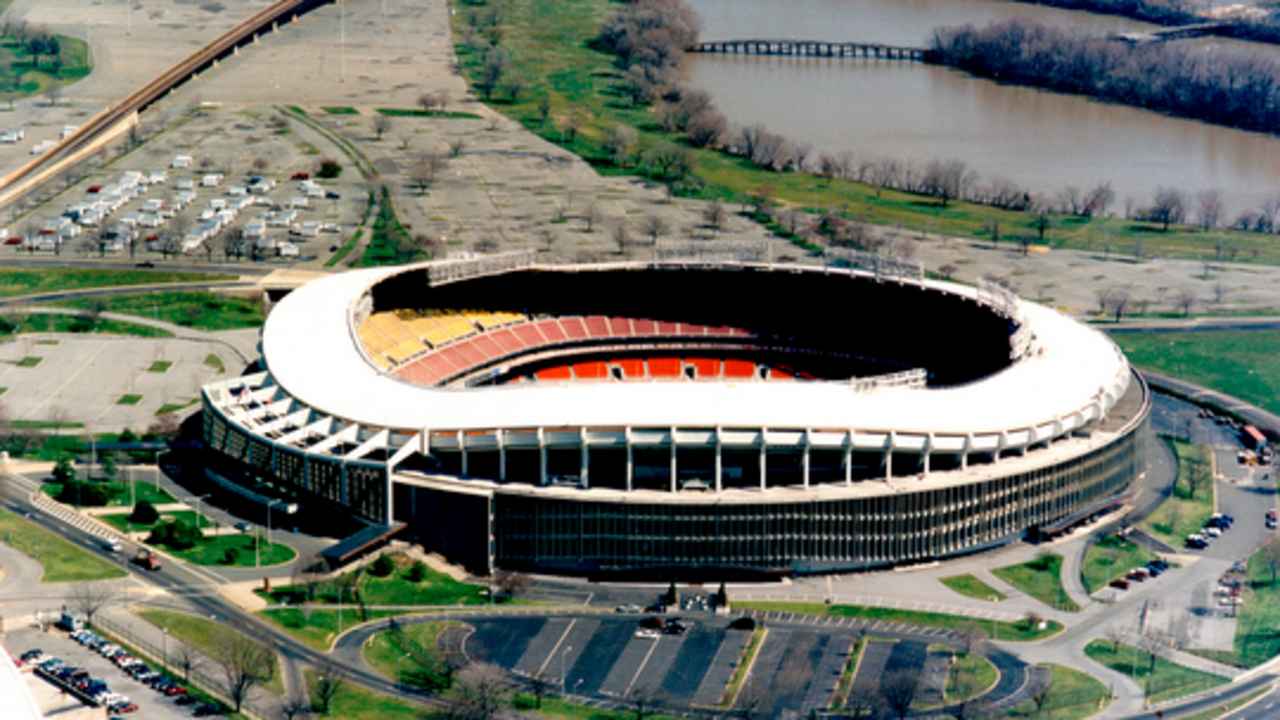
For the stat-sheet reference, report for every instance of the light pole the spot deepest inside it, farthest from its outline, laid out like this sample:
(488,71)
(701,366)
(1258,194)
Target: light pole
(164,641)
(564,677)
(199,500)
(399,669)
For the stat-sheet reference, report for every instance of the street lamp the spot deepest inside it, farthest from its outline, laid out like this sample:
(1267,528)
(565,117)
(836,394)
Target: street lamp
(399,669)
(164,641)
(564,677)
(199,499)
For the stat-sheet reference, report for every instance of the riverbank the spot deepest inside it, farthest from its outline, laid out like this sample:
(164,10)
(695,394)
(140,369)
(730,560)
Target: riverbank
(571,95)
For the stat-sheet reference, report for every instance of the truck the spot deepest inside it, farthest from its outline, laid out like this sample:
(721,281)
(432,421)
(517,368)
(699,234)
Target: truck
(147,559)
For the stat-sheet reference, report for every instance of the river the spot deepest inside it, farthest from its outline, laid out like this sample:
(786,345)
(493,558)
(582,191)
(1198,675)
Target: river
(1042,141)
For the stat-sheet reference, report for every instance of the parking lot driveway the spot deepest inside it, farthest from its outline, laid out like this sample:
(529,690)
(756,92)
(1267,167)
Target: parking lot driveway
(697,656)
(784,670)
(550,639)
(151,704)
(503,642)
(720,670)
(599,655)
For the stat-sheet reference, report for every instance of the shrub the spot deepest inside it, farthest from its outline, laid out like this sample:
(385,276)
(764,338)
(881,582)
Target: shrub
(176,534)
(230,556)
(64,471)
(383,566)
(144,513)
(77,492)
(417,572)
(329,169)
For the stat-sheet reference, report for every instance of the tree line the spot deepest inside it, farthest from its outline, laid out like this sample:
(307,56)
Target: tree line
(1256,27)
(1216,86)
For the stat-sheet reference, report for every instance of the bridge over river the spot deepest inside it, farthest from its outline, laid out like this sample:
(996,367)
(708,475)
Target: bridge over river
(813,48)
(1179,32)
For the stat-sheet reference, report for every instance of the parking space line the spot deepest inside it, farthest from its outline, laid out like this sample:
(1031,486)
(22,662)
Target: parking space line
(568,628)
(640,668)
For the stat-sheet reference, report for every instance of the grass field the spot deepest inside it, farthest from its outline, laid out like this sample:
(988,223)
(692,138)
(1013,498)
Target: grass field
(318,628)
(1109,558)
(551,49)
(28,282)
(62,561)
(352,702)
(1239,363)
(78,324)
(1184,512)
(420,113)
(1041,578)
(197,310)
(1256,639)
(119,493)
(201,634)
(389,241)
(1220,711)
(970,586)
(396,589)
(1074,695)
(20,75)
(970,675)
(212,550)
(173,407)
(385,656)
(743,668)
(120,521)
(1167,681)
(995,629)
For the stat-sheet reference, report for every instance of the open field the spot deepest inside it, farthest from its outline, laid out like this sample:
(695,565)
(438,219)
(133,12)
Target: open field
(78,324)
(396,589)
(970,586)
(1239,363)
(351,702)
(1185,511)
(318,628)
(62,561)
(1109,558)
(199,310)
(28,282)
(118,492)
(1041,578)
(201,634)
(22,74)
(385,655)
(120,521)
(995,629)
(1074,696)
(213,549)
(1162,681)
(1256,640)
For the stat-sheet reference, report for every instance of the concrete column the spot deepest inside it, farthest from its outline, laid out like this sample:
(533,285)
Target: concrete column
(502,455)
(1004,442)
(673,468)
(719,460)
(542,457)
(848,458)
(764,459)
(964,453)
(928,450)
(462,446)
(585,458)
(631,461)
(888,454)
(804,459)
(390,497)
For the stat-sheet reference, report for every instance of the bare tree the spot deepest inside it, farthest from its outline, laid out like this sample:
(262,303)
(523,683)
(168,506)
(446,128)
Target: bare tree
(381,125)
(245,664)
(1041,690)
(621,237)
(187,659)
(325,688)
(591,217)
(511,583)
(1184,299)
(425,170)
(1209,208)
(294,708)
(947,180)
(1271,556)
(479,692)
(620,143)
(539,686)
(898,688)
(88,598)
(1170,207)
(655,227)
(1219,292)
(1115,634)
(714,215)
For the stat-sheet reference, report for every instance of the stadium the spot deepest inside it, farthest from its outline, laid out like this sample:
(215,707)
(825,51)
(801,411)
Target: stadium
(680,418)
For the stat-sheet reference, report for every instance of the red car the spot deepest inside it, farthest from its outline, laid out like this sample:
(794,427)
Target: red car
(1119,584)
(300,176)
(13,241)
(95,189)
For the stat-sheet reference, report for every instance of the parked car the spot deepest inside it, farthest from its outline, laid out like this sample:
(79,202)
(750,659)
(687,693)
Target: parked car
(1119,584)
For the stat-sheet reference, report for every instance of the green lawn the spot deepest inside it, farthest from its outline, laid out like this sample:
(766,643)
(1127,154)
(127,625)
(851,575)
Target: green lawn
(1074,695)
(1185,511)
(384,654)
(198,310)
(1109,558)
(1220,711)
(389,241)
(202,634)
(79,324)
(212,550)
(120,521)
(555,708)
(167,408)
(420,113)
(160,366)
(1041,578)
(551,48)
(970,586)
(396,589)
(45,424)
(20,75)
(28,361)
(119,493)
(344,249)
(1257,639)
(1239,363)
(998,630)
(28,282)
(340,110)
(54,447)
(129,399)
(352,702)
(1168,681)
(62,561)
(215,363)
(970,675)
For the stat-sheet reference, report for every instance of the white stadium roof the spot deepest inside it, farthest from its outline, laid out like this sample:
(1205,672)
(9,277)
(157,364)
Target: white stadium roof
(1075,374)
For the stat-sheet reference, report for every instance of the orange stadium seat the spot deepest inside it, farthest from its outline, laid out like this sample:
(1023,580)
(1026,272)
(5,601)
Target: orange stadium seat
(506,340)
(591,370)
(632,369)
(665,368)
(706,368)
(558,372)
(739,369)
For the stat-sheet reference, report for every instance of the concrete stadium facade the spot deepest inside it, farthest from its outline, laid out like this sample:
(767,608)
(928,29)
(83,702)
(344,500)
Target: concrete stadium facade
(699,479)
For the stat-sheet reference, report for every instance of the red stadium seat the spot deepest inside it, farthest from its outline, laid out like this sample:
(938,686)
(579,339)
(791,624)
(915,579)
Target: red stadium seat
(644,328)
(705,368)
(528,335)
(486,345)
(468,353)
(779,374)
(507,340)
(739,369)
(558,372)
(591,370)
(620,327)
(597,326)
(632,369)
(574,328)
(668,328)
(665,368)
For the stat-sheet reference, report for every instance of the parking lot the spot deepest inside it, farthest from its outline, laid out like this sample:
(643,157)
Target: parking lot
(55,643)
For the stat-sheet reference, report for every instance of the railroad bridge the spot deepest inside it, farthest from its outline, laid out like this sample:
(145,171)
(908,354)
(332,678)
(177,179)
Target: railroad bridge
(813,48)
(1179,32)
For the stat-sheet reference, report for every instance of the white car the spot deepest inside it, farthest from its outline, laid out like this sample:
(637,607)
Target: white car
(1212,532)
(648,633)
